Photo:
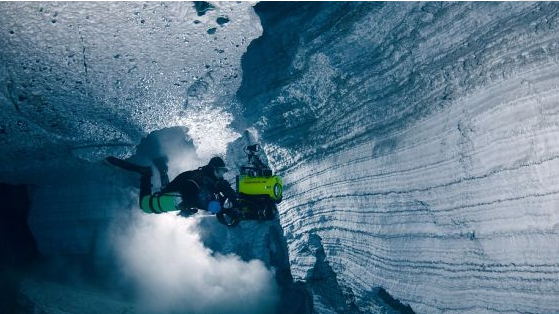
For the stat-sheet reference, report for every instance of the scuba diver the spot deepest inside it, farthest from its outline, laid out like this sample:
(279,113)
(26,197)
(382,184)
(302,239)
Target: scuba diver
(258,190)
(188,192)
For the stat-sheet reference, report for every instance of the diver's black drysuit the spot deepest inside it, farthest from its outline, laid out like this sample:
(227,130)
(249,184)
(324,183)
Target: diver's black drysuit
(198,187)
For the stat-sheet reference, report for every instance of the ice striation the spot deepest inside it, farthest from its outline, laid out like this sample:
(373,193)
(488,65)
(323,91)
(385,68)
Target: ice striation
(417,140)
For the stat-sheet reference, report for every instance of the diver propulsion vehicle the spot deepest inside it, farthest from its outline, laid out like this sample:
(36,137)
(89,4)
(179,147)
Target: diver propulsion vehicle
(258,193)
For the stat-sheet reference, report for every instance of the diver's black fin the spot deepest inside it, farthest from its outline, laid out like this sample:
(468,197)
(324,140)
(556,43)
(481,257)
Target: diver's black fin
(128,165)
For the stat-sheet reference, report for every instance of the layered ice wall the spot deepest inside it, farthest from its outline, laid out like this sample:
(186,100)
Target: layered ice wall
(420,144)
(418,141)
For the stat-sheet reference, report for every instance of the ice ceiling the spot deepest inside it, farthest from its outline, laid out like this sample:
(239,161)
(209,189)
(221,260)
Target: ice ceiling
(79,81)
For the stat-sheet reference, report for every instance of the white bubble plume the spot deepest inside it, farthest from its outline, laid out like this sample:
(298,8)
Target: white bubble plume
(173,272)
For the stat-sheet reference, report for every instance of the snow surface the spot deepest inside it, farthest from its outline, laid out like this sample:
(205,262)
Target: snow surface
(418,141)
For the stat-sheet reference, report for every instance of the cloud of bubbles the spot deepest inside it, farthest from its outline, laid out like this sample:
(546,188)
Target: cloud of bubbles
(172,272)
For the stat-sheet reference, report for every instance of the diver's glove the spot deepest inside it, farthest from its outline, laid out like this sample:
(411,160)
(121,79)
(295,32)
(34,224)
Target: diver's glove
(214,207)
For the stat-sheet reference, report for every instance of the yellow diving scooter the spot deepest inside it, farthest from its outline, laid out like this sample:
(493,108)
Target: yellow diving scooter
(258,192)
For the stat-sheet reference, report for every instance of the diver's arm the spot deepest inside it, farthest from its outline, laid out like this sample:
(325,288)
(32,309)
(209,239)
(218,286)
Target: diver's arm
(224,187)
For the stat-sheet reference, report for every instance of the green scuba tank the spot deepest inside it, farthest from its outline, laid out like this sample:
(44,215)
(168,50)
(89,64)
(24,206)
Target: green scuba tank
(160,203)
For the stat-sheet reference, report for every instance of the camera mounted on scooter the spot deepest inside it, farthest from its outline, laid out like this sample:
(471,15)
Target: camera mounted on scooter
(255,166)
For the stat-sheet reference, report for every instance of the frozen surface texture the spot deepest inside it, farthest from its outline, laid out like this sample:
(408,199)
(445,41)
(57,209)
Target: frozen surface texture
(88,79)
(418,141)
(420,144)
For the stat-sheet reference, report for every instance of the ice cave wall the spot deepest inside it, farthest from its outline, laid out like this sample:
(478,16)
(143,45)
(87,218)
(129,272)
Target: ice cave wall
(419,141)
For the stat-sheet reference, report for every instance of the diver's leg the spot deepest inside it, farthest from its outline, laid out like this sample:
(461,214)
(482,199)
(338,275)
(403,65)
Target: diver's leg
(144,171)
(161,165)
(189,194)
(145,185)
(126,165)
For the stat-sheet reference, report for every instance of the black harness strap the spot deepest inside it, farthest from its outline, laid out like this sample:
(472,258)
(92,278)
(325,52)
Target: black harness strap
(195,183)
(151,204)
(159,203)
